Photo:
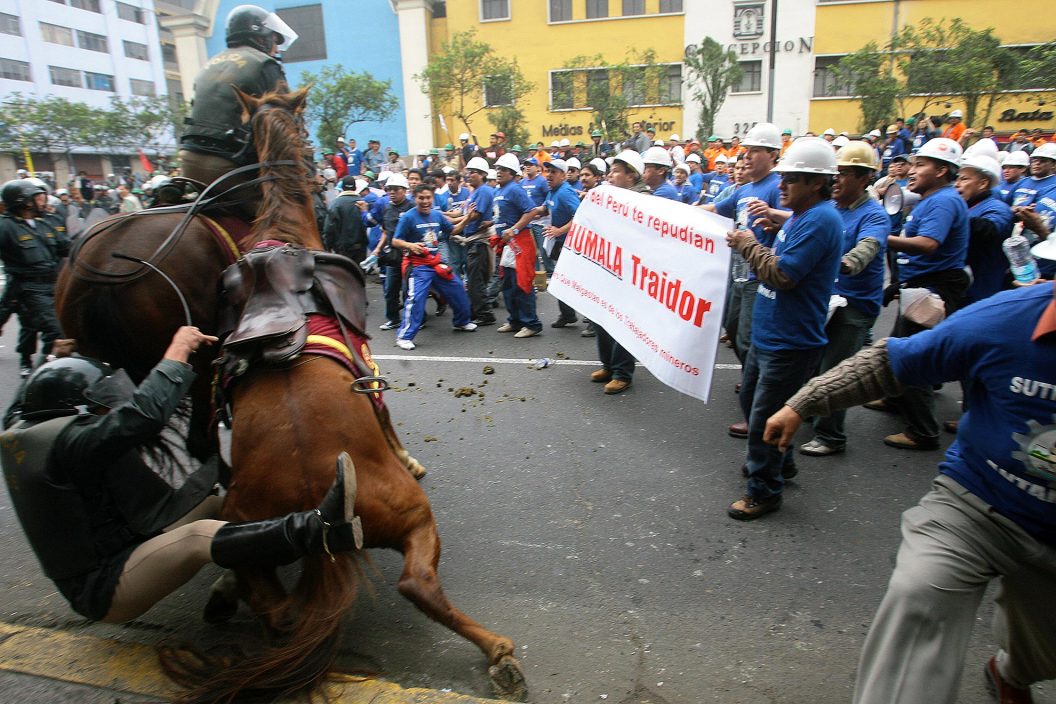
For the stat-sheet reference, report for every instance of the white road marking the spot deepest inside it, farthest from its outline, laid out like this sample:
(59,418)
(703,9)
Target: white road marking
(505,360)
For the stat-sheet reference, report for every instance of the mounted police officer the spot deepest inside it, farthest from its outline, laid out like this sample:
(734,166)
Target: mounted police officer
(31,246)
(215,140)
(113,536)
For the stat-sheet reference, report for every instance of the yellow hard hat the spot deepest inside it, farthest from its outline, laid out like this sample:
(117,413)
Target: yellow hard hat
(857,154)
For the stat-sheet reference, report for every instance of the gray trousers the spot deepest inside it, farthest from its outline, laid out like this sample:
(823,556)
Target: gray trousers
(953,545)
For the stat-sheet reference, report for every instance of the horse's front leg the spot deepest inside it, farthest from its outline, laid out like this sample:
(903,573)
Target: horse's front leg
(259,586)
(421,585)
(413,466)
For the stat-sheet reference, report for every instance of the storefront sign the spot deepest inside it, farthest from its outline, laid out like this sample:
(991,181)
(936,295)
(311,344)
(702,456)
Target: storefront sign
(1012,115)
(800,45)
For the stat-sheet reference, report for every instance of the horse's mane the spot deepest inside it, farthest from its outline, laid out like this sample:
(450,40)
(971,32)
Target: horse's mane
(286,197)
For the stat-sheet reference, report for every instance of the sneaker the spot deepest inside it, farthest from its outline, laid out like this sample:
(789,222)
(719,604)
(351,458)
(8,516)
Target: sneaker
(488,319)
(505,327)
(881,405)
(527,332)
(468,327)
(902,441)
(440,309)
(1001,691)
(563,322)
(589,331)
(748,508)
(405,344)
(816,448)
(388,325)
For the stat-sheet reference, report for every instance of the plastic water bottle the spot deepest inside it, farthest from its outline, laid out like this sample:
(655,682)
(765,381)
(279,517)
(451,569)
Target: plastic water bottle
(1017,249)
(369,263)
(542,363)
(739,268)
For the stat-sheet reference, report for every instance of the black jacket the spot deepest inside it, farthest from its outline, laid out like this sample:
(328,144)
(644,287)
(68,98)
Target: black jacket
(344,231)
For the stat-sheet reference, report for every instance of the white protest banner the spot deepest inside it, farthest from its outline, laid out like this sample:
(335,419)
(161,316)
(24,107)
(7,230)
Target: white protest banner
(653,273)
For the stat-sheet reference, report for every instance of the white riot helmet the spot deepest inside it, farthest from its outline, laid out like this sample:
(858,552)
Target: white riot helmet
(984,164)
(658,156)
(942,149)
(1045,151)
(808,155)
(1020,158)
(478,164)
(249,24)
(631,159)
(508,161)
(764,134)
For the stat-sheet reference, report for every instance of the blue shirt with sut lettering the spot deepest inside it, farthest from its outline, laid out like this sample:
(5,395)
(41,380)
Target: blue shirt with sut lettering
(427,230)
(735,205)
(561,203)
(808,248)
(452,201)
(943,217)
(1005,451)
(483,199)
(510,203)
(864,290)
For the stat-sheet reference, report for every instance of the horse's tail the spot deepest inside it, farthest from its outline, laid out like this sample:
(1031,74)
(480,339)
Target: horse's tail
(300,664)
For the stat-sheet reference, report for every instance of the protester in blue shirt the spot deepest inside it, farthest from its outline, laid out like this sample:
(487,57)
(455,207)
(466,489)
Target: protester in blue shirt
(989,514)
(788,327)
(696,172)
(894,147)
(453,202)
(353,157)
(472,231)
(719,181)
(1013,170)
(658,165)
(536,187)
(989,224)
(683,188)
(861,279)
(931,255)
(515,245)
(560,207)
(1034,199)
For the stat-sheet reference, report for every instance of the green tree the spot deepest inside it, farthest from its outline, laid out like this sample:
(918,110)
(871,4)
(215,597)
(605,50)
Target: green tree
(868,74)
(51,125)
(467,77)
(340,98)
(510,120)
(713,72)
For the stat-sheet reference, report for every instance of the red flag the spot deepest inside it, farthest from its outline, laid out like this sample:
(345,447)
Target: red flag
(147,166)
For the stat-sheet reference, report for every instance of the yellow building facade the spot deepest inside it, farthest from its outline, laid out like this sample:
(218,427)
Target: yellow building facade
(845,26)
(541,36)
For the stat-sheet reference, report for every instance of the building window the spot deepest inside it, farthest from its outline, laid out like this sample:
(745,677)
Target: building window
(751,78)
(14,70)
(439,9)
(494,10)
(55,34)
(497,92)
(92,42)
(633,7)
(670,6)
(597,86)
(175,89)
(597,9)
(560,10)
(65,76)
(130,13)
(168,57)
(144,88)
(671,85)
(827,82)
(98,81)
(135,50)
(562,93)
(307,21)
(9,24)
(90,5)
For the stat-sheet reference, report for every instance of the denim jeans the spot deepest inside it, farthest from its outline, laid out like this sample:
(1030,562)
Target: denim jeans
(846,332)
(519,305)
(614,357)
(770,378)
(547,262)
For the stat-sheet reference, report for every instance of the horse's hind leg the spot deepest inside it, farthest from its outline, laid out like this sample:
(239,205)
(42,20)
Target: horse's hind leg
(421,585)
(413,466)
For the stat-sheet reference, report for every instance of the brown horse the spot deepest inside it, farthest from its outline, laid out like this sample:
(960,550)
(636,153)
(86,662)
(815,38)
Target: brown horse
(290,423)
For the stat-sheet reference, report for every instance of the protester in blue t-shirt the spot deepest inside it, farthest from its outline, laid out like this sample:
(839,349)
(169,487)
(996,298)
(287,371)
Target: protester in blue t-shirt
(452,201)
(989,514)
(536,187)
(696,173)
(1034,200)
(683,188)
(472,231)
(930,255)
(861,279)
(989,224)
(788,326)
(657,162)
(418,232)
(515,245)
(560,207)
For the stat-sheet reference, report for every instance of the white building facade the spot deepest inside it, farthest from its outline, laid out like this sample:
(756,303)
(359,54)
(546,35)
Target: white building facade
(745,27)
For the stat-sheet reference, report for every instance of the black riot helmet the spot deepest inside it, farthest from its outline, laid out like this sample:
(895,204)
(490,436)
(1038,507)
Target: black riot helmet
(20,193)
(254,26)
(67,385)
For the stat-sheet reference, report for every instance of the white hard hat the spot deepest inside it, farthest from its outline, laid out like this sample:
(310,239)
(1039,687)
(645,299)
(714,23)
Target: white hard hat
(558,164)
(464,137)
(983,146)
(397,181)
(384,176)
(764,134)
(983,163)
(839,142)
(1002,157)
(658,156)
(564,142)
(574,163)
(361,185)
(675,138)
(830,131)
(695,157)
(478,164)
(449,170)
(632,159)
(720,159)
(684,168)
(1045,151)
(329,174)
(942,149)
(492,175)
(808,155)
(599,164)
(874,134)
(62,192)
(555,143)
(658,143)
(508,161)
(956,113)
(1020,158)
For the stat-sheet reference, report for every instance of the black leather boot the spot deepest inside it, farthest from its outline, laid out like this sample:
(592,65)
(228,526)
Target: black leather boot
(329,529)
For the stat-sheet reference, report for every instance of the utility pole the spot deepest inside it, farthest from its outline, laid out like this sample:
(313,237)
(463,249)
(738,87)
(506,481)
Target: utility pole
(773,60)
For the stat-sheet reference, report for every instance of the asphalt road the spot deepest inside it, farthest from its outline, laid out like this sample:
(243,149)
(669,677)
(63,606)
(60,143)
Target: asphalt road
(592,530)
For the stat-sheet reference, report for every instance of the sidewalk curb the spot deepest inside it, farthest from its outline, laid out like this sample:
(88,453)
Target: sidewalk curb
(132,668)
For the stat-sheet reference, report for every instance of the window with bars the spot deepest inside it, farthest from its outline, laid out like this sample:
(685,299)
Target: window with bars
(98,81)
(9,24)
(671,85)
(90,5)
(141,87)
(92,42)
(14,70)
(560,10)
(497,92)
(135,50)
(670,6)
(751,78)
(494,9)
(65,76)
(633,7)
(562,90)
(597,9)
(307,21)
(55,34)
(827,82)
(130,12)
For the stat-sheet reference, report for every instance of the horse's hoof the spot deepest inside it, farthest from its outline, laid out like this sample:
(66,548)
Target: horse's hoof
(415,468)
(507,679)
(219,609)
